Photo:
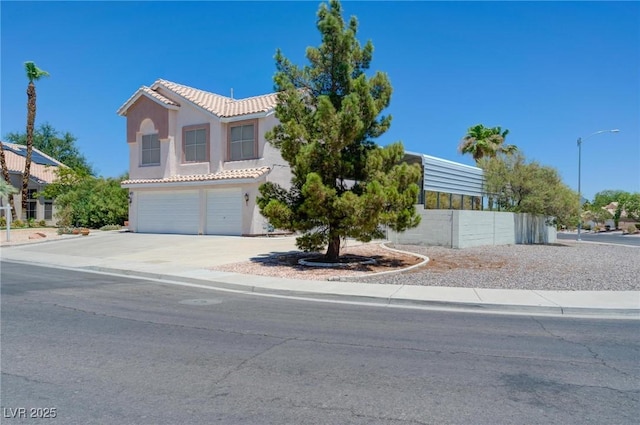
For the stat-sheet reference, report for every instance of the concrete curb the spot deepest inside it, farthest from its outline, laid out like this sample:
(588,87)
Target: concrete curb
(474,307)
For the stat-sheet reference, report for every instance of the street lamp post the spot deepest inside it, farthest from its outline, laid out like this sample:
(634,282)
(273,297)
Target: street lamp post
(580,140)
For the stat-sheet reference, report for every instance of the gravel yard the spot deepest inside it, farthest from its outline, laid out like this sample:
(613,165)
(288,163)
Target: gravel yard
(567,266)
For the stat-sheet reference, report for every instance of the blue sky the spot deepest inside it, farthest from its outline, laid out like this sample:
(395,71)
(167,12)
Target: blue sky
(550,72)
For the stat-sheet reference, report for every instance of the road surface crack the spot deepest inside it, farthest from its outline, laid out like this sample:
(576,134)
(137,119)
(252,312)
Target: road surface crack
(248,359)
(594,355)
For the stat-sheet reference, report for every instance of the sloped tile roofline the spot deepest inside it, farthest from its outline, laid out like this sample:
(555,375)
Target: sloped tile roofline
(151,94)
(231,175)
(221,106)
(218,105)
(40,173)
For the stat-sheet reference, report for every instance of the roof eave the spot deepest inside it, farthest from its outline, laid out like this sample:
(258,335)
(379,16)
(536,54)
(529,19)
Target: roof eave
(244,117)
(122,111)
(153,185)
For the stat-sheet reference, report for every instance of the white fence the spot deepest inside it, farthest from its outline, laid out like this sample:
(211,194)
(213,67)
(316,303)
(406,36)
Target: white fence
(465,228)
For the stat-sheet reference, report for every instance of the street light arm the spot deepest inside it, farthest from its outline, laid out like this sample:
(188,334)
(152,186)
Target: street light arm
(580,139)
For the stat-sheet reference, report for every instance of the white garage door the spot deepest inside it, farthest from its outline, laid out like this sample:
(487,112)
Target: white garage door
(169,212)
(224,212)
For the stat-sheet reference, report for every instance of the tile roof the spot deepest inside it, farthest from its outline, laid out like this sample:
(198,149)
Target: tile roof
(221,106)
(158,96)
(40,172)
(243,173)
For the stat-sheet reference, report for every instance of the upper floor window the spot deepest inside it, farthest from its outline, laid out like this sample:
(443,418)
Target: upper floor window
(243,141)
(150,149)
(195,143)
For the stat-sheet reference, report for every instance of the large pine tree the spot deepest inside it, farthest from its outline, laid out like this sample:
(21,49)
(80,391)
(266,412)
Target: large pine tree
(343,184)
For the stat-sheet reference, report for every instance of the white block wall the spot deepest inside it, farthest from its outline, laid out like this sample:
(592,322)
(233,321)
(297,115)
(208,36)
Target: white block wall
(464,229)
(478,228)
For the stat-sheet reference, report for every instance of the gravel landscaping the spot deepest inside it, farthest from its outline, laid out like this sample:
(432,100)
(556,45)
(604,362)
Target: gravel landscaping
(567,266)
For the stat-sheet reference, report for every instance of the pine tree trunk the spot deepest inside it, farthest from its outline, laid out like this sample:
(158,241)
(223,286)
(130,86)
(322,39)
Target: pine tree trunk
(5,175)
(333,250)
(31,118)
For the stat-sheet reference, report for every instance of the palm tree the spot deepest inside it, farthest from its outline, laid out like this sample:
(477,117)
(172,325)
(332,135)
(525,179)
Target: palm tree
(33,74)
(6,181)
(481,141)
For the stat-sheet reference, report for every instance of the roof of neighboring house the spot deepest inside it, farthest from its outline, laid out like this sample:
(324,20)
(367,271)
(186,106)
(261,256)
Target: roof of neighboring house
(220,106)
(243,173)
(43,166)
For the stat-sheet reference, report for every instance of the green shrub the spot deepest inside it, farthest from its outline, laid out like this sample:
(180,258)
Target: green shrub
(42,223)
(638,226)
(31,222)
(631,229)
(111,227)
(86,201)
(18,223)
(65,230)
(3,221)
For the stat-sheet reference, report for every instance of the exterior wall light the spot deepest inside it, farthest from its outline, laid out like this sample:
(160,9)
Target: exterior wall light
(246,198)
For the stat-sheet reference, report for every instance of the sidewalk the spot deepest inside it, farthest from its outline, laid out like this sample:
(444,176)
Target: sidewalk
(181,259)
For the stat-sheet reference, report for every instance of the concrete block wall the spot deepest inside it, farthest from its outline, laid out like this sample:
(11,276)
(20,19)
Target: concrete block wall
(464,229)
(434,229)
(479,228)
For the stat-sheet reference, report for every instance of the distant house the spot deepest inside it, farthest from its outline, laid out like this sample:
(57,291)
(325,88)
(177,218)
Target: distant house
(196,160)
(42,172)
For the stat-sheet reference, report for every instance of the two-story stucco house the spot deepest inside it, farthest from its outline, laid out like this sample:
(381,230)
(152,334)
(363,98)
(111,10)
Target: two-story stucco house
(196,160)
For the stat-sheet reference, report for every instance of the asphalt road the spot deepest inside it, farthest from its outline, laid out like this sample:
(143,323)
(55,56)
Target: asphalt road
(612,238)
(110,350)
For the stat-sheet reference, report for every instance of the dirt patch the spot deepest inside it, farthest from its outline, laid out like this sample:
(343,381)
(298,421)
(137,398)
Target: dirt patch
(21,236)
(445,262)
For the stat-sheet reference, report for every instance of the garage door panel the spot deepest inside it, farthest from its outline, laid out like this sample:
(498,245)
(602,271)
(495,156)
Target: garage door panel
(224,212)
(168,212)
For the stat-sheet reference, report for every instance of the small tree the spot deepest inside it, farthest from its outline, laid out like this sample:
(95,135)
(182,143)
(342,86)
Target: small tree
(528,187)
(87,201)
(59,146)
(627,202)
(343,184)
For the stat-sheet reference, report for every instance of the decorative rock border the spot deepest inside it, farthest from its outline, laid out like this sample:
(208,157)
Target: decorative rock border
(424,261)
(308,262)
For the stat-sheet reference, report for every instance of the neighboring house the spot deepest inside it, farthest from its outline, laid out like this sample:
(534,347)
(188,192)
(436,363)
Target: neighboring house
(196,160)
(43,171)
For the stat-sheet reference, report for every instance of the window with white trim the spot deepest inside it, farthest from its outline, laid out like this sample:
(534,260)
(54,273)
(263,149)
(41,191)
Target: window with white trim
(242,141)
(150,150)
(195,145)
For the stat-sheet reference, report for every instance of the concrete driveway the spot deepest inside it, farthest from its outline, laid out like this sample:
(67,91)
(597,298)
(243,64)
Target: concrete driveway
(185,250)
